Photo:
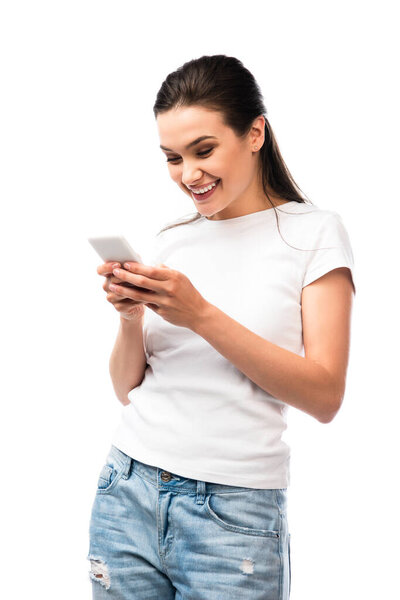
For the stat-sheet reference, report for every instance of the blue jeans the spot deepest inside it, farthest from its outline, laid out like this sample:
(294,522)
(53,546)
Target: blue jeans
(157,535)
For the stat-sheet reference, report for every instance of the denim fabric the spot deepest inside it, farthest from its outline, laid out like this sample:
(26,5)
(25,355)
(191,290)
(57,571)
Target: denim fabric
(157,535)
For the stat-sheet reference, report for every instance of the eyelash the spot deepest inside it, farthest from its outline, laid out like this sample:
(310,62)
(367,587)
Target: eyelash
(200,154)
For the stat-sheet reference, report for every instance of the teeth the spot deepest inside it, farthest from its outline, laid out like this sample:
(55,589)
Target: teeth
(204,190)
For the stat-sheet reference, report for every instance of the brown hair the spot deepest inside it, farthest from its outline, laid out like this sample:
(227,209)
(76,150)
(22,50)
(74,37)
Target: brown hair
(223,84)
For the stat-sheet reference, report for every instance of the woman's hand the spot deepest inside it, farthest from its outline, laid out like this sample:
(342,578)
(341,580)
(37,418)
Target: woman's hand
(167,292)
(129,309)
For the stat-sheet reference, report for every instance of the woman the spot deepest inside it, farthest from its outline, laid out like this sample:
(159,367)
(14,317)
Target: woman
(191,502)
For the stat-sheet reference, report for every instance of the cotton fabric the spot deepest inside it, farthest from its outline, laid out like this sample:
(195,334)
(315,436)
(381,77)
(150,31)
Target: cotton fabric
(195,413)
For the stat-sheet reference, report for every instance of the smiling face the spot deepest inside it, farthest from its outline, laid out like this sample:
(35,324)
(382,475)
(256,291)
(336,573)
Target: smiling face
(222,156)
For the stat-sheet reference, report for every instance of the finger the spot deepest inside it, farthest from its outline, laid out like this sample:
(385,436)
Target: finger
(143,276)
(133,294)
(110,279)
(107,268)
(137,282)
(120,281)
(160,272)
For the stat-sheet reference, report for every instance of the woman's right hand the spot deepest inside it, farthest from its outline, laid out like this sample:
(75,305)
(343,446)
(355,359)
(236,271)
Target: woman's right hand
(129,309)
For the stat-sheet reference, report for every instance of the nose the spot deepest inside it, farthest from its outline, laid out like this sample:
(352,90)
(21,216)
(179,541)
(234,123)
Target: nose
(190,174)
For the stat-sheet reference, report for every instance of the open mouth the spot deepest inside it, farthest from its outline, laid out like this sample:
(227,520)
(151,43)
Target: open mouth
(205,195)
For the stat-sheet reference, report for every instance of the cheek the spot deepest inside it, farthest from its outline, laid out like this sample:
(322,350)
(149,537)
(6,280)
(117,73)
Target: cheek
(220,169)
(241,168)
(175,175)
(229,165)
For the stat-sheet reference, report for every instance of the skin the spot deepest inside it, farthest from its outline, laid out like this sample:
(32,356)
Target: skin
(232,160)
(314,383)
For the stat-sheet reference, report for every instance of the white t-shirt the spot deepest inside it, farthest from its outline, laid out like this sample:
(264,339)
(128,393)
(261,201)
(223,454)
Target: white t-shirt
(195,414)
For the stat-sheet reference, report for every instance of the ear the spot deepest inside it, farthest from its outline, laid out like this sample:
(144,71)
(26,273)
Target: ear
(257,137)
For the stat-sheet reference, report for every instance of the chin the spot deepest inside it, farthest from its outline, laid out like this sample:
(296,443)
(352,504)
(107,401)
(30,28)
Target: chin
(207,212)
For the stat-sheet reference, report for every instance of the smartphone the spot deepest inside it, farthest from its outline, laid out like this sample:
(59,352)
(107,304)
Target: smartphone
(115,248)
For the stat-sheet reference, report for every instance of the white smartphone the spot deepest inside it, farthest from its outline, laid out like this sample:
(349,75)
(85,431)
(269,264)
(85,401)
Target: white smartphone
(115,248)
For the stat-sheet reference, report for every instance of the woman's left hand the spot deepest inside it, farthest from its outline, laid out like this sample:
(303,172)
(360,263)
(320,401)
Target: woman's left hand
(167,292)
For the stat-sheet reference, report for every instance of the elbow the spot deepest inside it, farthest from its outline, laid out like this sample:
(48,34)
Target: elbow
(123,397)
(331,409)
(326,417)
(124,400)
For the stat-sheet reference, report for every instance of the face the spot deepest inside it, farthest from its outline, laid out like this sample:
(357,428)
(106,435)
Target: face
(222,156)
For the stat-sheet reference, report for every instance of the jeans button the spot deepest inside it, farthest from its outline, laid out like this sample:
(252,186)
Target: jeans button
(165,476)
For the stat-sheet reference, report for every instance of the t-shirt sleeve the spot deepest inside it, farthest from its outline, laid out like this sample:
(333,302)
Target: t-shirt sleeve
(333,250)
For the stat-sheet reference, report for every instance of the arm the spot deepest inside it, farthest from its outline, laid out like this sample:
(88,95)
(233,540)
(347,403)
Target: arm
(314,383)
(128,359)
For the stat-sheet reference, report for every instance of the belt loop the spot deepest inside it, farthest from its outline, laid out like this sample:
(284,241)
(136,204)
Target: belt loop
(200,492)
(127,467)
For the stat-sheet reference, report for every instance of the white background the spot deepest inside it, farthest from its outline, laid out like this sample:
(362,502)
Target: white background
(80,156)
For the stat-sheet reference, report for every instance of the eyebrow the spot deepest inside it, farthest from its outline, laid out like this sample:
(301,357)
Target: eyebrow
(196,141)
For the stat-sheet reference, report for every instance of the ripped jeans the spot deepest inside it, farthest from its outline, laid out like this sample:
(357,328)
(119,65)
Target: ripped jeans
(155,535)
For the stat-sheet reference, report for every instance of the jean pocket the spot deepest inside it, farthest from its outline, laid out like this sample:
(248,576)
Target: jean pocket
(111,471)
(252,512)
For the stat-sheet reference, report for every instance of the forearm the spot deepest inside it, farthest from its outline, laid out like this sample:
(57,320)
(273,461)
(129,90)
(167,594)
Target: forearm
(294,379)
(128,360)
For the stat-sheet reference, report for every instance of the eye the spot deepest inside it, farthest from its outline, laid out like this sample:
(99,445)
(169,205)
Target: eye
(204,153)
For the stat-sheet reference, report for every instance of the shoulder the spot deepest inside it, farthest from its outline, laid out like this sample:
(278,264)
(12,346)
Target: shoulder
(329,225)
(306,214)
(330,247)
(314,222)
(310,213)
(308,226)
